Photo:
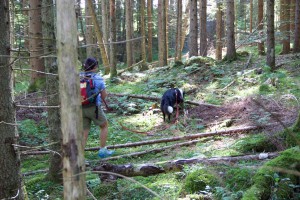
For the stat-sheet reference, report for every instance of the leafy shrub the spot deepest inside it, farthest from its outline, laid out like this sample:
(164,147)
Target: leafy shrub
(198,180)
(31,133)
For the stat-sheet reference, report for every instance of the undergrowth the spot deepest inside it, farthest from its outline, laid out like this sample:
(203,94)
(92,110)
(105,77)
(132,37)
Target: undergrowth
(206,81)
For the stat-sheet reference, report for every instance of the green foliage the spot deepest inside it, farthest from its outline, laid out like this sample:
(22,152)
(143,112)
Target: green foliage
(38,84)
(238,179)
(21,87)
(255,143)
(32,133)
(39,188)
(198,180)
(222,193)
(266,180)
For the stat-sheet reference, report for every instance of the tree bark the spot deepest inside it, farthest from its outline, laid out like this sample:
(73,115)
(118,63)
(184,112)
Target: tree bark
(203,33)
(71,120)
(178,53)
(296,46)
(129,52)
(285,26)
(150,25)
(35,40)
(10,173)
(251,16)
(193,37)
(270,35)
(143,34)
(52,82)
(131,170)
(113,38)
(219,28)
(185,24)
(88,31)
(162,35)
(105,25)
(260,20)
(231,51)
(99,38)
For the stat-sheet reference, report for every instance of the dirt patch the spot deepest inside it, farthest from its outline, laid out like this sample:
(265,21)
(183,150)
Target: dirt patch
(249,111)
(27,106)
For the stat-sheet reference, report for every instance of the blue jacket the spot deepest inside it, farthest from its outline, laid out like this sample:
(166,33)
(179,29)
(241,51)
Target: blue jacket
(98,83)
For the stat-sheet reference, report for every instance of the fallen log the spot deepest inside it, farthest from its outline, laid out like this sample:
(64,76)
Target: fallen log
(154,98)
(131,170)
(135,154)
(130,67)
(164,140)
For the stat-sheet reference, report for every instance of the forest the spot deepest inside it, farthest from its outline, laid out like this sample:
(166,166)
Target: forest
(235,136)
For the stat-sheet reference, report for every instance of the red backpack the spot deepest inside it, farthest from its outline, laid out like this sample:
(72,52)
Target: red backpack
(88,91)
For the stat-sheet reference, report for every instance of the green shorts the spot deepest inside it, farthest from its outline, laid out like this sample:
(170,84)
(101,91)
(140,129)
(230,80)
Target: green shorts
(89,115)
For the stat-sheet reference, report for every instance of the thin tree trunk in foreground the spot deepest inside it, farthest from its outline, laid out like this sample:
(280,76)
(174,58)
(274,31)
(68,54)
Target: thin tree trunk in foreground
(71,121)
(131,170)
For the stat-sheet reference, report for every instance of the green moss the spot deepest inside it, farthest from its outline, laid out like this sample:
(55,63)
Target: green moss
(266,180)
(256,143)
(198,180)
(199,60)
(238,178)
(291,136)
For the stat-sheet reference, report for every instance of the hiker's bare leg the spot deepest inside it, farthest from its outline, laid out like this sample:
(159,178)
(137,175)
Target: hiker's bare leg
(85,136)
(103,134)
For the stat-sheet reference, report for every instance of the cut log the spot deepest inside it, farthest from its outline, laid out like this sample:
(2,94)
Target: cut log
(164,140)
(157,150)
(131,170)
(154,98)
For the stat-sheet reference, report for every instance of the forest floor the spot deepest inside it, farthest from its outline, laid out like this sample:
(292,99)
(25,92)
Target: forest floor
(230,95)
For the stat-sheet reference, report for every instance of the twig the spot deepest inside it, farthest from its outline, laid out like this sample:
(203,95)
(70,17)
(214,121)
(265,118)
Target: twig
(28,106)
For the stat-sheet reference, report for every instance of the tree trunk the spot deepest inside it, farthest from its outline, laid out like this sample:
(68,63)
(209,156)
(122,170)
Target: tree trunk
(150,169)
(81,50)
(129,52)
(178,53)
(270,35)
(113,37)
(251,16)
(185,24)
(296,46)
(99,37)
(10,174)
(219,28)
(71,121)
(193,37)
(203,33)
(55,134)
(260,20)
(285,26)
(105,25)
(35,41)
(89,31)
(143,43)
(231,51)
(150,25)
(162,35)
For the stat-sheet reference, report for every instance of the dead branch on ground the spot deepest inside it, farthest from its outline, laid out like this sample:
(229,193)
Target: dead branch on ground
(131,170)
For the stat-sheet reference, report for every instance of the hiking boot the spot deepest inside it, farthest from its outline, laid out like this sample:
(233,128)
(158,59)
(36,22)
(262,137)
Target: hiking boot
(104,152)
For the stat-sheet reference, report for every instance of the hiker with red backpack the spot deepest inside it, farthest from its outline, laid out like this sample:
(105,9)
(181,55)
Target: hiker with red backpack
(93,93)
